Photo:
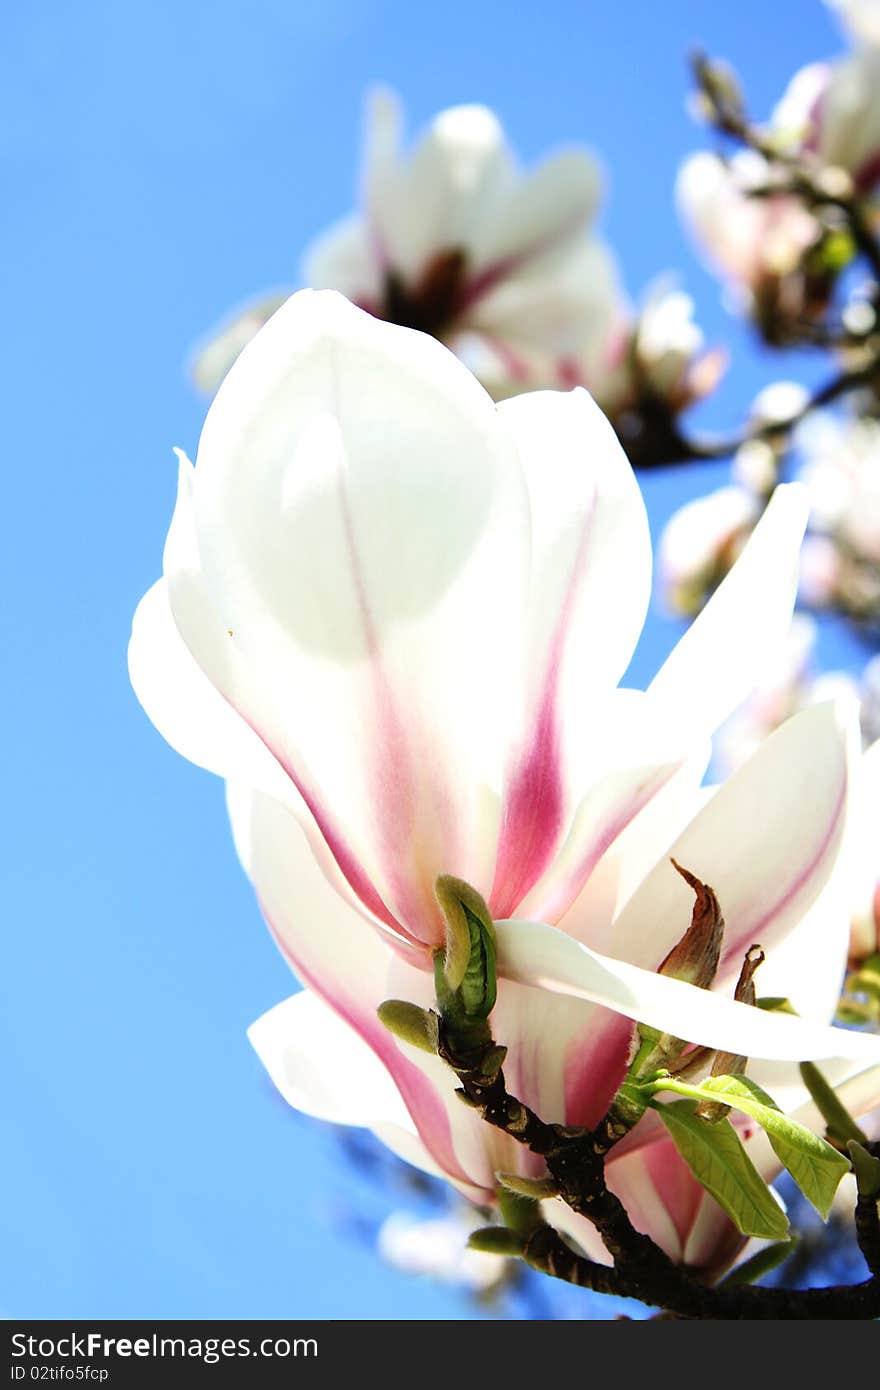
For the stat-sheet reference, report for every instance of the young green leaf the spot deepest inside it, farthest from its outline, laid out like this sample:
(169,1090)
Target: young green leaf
(719,1162)
(816,1167)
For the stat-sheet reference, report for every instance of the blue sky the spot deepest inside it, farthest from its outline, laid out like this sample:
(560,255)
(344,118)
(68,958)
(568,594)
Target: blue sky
(160,161)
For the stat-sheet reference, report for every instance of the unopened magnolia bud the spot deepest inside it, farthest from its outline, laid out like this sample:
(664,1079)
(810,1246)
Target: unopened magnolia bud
(496,1240)
(866,1168)
(536,1188)
(840,1126)
(416,1026)
(695,957)
(468,965)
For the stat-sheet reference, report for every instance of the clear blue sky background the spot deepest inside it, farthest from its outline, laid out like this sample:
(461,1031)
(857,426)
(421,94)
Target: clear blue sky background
(159,161)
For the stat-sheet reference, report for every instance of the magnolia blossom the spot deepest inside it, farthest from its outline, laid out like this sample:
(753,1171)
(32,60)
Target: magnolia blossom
(832,110)
(454,239)
(861,17)
(829,112)
(756,243)
(394,617)
(700,544)
(842,472)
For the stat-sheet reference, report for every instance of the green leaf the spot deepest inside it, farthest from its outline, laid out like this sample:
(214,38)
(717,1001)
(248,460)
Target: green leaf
(816,1167)
(719,1162)
(763,1262)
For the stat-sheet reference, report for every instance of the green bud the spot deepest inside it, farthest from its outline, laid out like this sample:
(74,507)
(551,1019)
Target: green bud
(519,1211)
(840,1125)
(496,1240)
(867,1170)
(418,1027)
(536,1188)
(469,962)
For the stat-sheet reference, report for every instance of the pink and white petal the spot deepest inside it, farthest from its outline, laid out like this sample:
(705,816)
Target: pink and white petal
(624,756)
(369,581)
(322,1067)
(720,659)
(433,202)
(566,1058)
(343,259)
(351,968)
(588,593)
(536,954)
(767,842)
(543,212)
(558,306)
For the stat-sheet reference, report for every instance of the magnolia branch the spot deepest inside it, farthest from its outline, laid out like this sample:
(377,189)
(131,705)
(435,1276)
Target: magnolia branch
(575,1160)
(654,437)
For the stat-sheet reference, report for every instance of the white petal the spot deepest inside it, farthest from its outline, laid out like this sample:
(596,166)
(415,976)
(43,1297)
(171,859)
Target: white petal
(322,1067)
(549,208)
(589,589)
(766,842)
(362,531)
(568,304)
(533,953)
(721,657)
(342,958)
(189,712)
(343,259)
(212,358)
(436,199)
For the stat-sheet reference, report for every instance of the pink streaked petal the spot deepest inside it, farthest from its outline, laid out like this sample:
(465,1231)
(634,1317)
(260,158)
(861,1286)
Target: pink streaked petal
(346,964)
(373,605)
(587,515)
(767,868)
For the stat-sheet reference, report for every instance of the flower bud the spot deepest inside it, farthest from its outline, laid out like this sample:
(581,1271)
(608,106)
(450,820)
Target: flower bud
(413,1025)
(467,969)
(695,957)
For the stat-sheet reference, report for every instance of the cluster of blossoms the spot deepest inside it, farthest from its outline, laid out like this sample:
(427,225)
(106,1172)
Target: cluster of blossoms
(838,461)
(779,255)
(505,267)
(393,616)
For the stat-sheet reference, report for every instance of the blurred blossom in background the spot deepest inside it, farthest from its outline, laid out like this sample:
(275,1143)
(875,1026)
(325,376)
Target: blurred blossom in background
(171,168)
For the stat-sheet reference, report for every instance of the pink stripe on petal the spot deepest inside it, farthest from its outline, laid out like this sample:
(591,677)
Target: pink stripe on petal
(562,893)
(594,1068)
(535,802)
(678,1190)
(419,1096)
(752,931)
(532,814)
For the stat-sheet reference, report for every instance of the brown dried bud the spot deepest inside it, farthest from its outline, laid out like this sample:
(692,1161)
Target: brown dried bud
(695,957)
(729,1063)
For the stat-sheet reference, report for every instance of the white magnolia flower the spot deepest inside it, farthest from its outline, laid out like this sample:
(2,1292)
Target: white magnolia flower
(700,543)
(841,470)
(394,616)
(452,238)
(755,243)
(860,17)
(832,110)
